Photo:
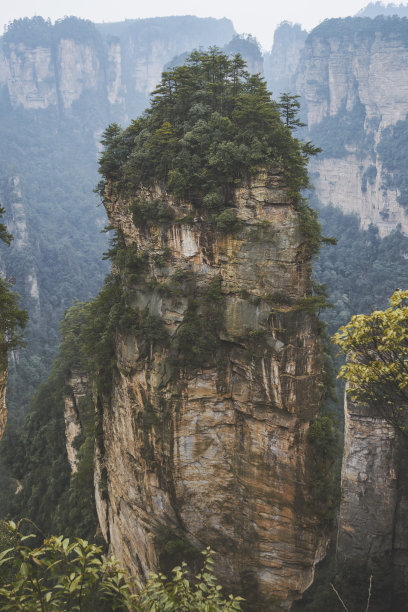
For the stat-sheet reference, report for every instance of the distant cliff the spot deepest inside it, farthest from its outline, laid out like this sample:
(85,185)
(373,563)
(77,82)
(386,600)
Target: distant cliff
(281,63)
(352,76)
(45,66)
(60,85)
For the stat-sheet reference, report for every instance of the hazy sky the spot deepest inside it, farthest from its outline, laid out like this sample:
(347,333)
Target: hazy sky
(255,17)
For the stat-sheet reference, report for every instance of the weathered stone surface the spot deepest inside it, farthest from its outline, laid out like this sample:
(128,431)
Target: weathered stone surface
(218,455)
(335,73)
(12,199)
(121,71)
(368,483)
(78,387)
(373,525)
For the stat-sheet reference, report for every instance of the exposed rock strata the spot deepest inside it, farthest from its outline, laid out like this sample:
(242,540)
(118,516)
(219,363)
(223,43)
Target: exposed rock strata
(13,201)
(338,72)
(78,388)
(218,455)
(119,71)
(372,526)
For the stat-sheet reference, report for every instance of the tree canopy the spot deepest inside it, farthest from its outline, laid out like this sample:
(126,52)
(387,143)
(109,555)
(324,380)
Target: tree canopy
(377,366)
(60,574)
(210,126)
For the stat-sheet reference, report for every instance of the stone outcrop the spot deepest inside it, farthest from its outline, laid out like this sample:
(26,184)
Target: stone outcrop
(373,532)
(219,454)
(345,69)
(78,388)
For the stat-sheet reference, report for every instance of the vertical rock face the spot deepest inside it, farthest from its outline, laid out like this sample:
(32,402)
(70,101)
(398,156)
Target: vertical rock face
(121,65)
(282,62)
(217,455)
(373,526)
(11,197)
(369,485)
(3,407)
(353,78)
(78,387)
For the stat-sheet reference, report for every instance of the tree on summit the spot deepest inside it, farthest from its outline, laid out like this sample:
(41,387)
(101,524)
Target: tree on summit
(289,105)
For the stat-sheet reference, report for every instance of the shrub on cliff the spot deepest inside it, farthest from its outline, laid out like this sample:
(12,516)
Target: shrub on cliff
(60,574)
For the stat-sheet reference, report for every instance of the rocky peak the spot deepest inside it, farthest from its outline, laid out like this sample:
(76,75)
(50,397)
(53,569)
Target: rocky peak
(204,435)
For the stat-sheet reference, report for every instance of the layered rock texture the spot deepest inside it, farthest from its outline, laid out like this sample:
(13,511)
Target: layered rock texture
(77,384)
(119,63)
(281,64)
(216,454)
(352,77)
(373,533)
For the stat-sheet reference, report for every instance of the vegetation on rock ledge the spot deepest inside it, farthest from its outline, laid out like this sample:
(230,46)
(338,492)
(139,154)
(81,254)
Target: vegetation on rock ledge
(211,125)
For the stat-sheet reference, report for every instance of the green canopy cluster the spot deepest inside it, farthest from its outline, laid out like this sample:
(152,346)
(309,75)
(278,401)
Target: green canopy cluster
(210,126)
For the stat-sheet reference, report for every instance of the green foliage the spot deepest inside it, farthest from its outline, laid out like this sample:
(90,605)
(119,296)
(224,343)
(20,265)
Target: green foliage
(352,28)
(290,106)
(155,211)
(334,134)
(36,455)
(362,270)
(210,126)
(180,594)
(325,452)
(64,244)
(197,338)
(173,549)
(227,222)
(308,225)
(38,32)
(377,366)
(317,302)
(60,574)
(12,321)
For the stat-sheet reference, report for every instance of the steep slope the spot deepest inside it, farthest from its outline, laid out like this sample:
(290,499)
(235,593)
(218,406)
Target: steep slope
(204,426)
(373,530)
(217,454)
(281,63)
(352,77)
(60,85)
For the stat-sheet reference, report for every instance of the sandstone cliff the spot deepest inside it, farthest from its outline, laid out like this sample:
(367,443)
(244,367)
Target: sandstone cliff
(373,534)
(352,76)
(281,63)
(118,63)
(217,454)
(77,385)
